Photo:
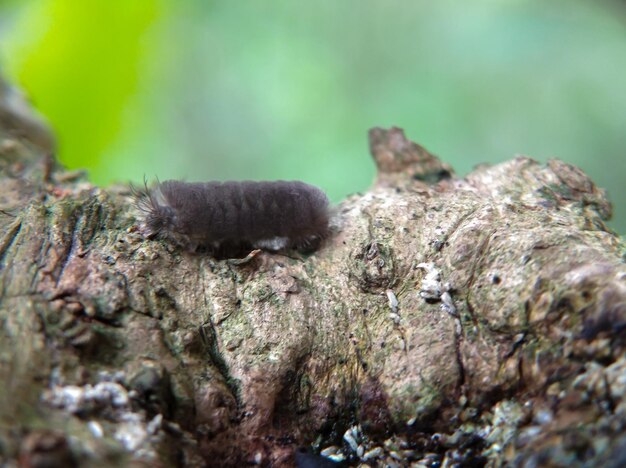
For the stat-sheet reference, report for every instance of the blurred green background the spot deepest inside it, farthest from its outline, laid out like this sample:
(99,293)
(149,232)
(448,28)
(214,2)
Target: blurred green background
(287,89)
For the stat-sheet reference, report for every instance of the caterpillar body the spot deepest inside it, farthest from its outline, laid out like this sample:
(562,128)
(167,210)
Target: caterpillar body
(226,218)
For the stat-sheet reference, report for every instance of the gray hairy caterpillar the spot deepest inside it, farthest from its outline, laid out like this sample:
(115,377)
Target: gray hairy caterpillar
(228,218)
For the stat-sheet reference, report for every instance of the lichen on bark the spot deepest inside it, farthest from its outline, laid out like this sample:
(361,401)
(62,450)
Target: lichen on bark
(477,319)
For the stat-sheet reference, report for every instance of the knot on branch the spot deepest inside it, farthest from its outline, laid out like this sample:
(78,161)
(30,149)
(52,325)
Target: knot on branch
(400,160)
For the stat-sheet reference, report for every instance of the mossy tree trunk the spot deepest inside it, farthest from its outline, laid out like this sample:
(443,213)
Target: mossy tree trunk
(479,319)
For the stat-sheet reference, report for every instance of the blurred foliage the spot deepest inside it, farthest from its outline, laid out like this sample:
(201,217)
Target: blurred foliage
(80,63)
(286,89)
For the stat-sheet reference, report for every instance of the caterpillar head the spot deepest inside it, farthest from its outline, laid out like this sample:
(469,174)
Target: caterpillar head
(157,216)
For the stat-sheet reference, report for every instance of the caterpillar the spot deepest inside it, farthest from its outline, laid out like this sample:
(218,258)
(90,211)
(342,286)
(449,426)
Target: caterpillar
(226,218)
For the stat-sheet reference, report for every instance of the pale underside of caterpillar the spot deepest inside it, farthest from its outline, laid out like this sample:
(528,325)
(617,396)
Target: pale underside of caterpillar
(228,218)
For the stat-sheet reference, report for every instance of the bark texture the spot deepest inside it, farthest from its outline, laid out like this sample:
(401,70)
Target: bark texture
(446,320)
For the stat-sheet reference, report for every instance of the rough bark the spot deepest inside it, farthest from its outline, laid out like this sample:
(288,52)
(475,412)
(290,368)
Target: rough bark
(478,320)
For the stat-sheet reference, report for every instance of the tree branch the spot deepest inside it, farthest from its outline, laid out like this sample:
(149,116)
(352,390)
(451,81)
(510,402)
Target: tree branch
(479,320)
